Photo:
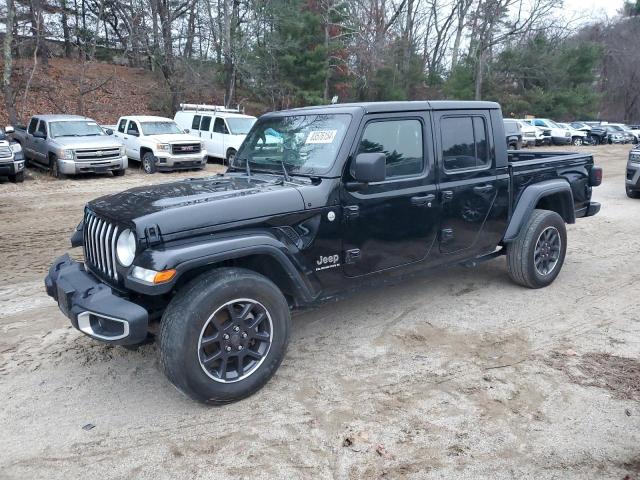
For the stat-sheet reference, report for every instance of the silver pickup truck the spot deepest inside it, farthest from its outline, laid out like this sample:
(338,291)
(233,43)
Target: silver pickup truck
(71,144)
(11,157)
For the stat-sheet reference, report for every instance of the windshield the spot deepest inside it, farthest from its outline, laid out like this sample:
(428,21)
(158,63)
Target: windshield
(76,128)
(306,144)
(160,128)
(616,128)
(240,126)
(3,136)
(553,124)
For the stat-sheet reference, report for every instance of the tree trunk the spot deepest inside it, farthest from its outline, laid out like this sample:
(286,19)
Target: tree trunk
(65,29)
(7,87)
(479,74)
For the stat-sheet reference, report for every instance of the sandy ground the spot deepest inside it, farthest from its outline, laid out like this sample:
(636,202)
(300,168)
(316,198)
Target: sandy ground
(456,375)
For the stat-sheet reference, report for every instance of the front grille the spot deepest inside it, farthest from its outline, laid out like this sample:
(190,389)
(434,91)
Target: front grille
(100,244)
(96,154)
(185,148)
(5,152)
(530,134)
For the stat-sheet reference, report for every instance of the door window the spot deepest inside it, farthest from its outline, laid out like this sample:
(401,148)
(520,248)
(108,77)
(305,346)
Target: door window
(400,141)
(32,125)
(122,124)
(205,124)
(133,128)
(219,126)
(195,124)
(42,128)
(464,143)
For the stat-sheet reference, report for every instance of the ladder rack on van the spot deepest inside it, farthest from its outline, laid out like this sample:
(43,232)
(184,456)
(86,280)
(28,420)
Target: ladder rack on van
(209,108)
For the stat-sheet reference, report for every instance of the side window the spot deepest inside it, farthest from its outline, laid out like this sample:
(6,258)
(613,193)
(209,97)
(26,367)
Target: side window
(133,127)
(400,141)
(122,124)
(32,125)
(464,143)
(195,124)
(219,126)
(42,127)
(539,123)
(205,124)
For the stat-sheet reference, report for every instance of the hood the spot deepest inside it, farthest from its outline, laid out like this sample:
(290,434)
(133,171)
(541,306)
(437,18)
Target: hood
(173,137)
(102,141)
(200,203)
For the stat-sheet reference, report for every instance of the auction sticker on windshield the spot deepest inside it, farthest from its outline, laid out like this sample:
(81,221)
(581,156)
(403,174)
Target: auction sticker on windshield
(321,136)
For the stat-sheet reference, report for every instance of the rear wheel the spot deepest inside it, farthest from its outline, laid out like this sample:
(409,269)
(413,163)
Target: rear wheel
(224,335)
(149,163)
(536,257)
(231,154)
(118,173)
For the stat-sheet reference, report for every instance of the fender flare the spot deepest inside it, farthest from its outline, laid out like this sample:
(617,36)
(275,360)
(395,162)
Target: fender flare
(530,198)
(191,255)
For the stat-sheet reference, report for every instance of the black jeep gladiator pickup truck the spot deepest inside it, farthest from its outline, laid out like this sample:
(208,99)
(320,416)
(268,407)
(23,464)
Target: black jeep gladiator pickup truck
(318,201)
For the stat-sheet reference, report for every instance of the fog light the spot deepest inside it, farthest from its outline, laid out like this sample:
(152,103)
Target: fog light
(152,276)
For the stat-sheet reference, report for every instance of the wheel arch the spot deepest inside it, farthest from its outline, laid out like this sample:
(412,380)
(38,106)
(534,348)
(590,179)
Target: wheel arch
(554,195)
(143,151)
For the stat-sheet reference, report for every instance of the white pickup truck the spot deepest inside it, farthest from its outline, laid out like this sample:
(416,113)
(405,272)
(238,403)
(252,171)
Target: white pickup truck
(160,144)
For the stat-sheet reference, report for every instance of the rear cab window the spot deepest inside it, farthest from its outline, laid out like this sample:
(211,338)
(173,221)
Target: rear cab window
(32,125)
(205,124)
(122,125)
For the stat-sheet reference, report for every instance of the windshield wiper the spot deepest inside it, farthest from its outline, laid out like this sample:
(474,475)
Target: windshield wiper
(287,178)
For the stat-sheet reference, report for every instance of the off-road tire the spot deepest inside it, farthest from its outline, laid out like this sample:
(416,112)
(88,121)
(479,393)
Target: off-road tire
(148,164)
(118,173)
(182,325)
(632,193)
(520,253)
(17,178)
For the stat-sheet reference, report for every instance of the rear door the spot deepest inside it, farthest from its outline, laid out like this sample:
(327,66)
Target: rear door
(394,222)
(468,180)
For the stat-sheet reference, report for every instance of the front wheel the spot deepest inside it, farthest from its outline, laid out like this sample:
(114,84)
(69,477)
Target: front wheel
(53,168)
(536,257)
(149,163)
(577,141)
(17,178)
(118,173)
(231,155)
(224,335)
(632,193)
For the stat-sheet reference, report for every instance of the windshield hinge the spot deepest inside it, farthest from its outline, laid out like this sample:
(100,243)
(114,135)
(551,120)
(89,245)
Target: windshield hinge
(153,235)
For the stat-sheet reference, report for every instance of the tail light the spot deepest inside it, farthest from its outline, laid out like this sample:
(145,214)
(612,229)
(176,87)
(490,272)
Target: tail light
(595,176)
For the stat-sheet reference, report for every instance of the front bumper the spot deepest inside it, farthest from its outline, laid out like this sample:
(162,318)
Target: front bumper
(181,162)
(93,307)
(632,179)
(12,167)
(74,167)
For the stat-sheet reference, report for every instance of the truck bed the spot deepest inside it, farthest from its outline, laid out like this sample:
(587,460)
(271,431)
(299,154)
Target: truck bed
(528,167)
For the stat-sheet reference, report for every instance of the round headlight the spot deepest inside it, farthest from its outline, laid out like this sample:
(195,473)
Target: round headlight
(126,248)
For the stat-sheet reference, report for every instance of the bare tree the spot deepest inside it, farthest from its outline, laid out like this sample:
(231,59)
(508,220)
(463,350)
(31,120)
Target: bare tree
(7,86)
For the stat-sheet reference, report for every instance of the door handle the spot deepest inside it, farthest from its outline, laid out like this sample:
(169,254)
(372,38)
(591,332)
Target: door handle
(421,201)
(483,189)
(126,138)
(447,195)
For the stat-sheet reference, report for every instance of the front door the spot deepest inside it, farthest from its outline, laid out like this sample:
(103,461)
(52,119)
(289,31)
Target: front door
(40,143)
(394,222)
(217,137)
(131,143)
(468,180)
(204,131)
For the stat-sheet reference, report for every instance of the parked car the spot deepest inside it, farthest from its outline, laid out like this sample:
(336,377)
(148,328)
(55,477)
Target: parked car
(616,134)
(530,134)
(159,144)
(221,129)
(633,135)
(69,145)
(353,199)
(543,135)
(578,136)
(632,181)
(559,135)
(513,132)
(11,157)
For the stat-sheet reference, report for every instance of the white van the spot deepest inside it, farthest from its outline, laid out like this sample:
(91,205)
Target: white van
(221,129)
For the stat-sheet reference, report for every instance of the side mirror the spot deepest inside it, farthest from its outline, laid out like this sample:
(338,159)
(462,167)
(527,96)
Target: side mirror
(369,167)
(186,130)
(39,135)
(108,131)
(9,129)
